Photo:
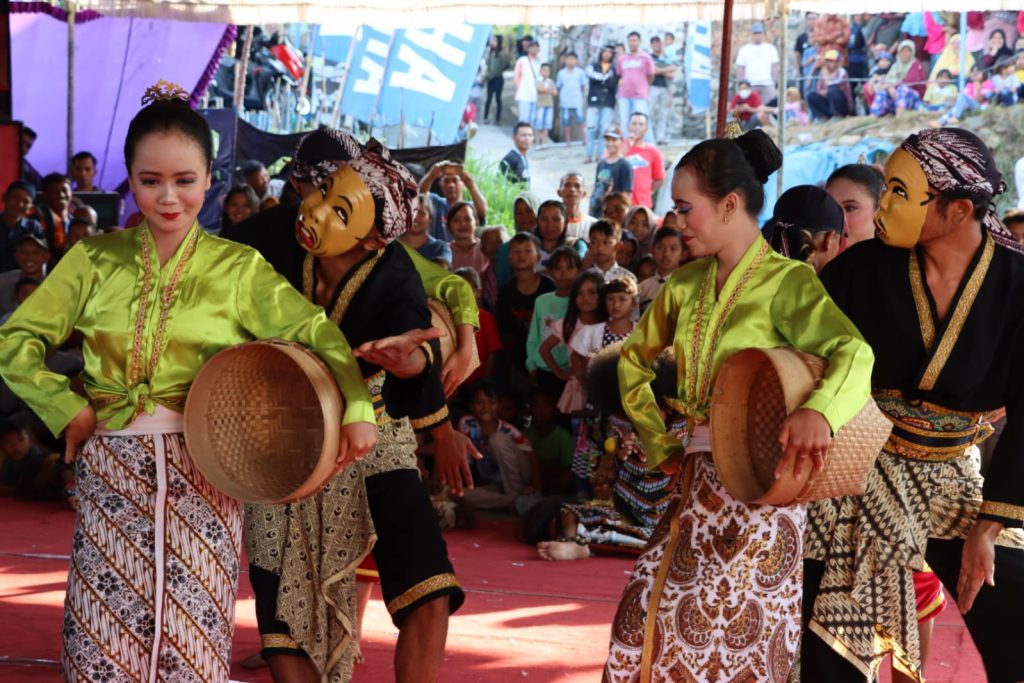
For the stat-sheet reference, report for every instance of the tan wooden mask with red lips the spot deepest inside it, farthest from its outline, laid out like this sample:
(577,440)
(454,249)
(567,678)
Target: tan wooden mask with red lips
(903,206)
(337,216)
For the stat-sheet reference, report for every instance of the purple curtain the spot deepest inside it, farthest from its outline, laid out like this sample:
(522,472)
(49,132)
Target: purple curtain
(116,59)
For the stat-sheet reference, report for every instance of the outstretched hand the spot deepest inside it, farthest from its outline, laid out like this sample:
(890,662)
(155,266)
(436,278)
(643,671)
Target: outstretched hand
(398,355)
(805,434)
(78,431)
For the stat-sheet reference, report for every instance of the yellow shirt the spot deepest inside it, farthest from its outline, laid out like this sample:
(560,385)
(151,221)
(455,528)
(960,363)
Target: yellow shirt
(767,301)
(138,351)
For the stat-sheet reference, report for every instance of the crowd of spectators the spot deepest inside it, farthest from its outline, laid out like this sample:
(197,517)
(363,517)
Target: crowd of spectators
(586,99)
(883,65)
(567,278)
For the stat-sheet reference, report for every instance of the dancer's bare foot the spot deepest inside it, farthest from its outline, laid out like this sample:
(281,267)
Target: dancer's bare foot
(359,658)
(557,551)
(255,661)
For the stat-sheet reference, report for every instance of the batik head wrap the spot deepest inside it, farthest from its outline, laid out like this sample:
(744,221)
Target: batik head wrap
(959,165)
(393,187)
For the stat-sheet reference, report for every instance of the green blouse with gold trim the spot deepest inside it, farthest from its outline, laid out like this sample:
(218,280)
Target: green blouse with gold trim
(767,301)
(148,329)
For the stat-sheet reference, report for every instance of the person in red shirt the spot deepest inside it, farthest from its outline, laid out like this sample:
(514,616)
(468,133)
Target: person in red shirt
(648,166)
(488,341)
(746,103)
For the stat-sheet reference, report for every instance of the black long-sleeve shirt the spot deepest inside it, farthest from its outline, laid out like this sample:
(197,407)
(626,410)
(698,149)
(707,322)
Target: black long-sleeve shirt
(871,282)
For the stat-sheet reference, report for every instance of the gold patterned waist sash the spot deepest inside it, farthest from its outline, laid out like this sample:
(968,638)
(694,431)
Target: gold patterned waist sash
(926,431)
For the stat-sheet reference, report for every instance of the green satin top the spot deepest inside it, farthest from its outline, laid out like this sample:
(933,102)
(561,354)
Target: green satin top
(452,289)
(767,301)
(148,329)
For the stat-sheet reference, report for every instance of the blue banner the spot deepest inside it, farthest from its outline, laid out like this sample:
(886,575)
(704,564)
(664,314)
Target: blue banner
(421,76)
(698,65)
(366,74)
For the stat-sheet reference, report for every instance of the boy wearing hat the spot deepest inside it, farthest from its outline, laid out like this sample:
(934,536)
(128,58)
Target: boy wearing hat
(614,174)
(758,63)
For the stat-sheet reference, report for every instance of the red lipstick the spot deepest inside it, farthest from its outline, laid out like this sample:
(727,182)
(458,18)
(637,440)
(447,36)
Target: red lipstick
(169,216)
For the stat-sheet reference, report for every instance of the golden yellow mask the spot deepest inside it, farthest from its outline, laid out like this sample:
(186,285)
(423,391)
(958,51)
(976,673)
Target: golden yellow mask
(337,216)
(903,205)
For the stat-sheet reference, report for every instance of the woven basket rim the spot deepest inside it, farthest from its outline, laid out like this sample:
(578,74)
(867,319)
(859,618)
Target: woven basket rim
(197,417)
(851,454)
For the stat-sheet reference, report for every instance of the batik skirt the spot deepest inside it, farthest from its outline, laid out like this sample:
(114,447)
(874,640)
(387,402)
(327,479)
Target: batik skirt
(715,597)
(154,562)
(873,544)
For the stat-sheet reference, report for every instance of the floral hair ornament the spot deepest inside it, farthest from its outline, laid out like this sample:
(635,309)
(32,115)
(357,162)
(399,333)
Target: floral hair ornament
(165,91)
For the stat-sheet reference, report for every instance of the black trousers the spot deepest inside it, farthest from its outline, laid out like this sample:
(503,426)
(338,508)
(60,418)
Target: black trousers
(993,622)
(832,103)
(494,88)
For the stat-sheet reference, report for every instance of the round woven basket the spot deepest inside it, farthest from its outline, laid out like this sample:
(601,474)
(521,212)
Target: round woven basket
(262,422)
(754,392)
(441,318)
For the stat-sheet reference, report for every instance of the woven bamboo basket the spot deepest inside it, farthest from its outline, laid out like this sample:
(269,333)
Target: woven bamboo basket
(263,422)
(754,392)
(441,318)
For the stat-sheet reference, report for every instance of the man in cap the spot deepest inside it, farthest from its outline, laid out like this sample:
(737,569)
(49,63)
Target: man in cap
(940,298)
(758,63)
(31,256)
(350,262)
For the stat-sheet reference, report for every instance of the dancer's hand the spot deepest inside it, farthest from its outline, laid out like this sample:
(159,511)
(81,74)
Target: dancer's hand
(356,441)
(398,355)
(805,434)
(455,370)
(452,454)
(978,562)
(78,431)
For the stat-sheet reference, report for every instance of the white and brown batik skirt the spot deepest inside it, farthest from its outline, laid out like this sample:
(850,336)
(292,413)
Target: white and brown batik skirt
(715,597)
(154,565)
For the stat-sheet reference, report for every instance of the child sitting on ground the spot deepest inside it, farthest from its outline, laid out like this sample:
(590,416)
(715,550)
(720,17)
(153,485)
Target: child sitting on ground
(941,93)
(552,443)
(628,498)
(27,472)
(508,476)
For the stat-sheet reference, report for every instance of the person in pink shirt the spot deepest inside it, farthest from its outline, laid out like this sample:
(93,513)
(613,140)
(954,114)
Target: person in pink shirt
(645,159)
(636,73)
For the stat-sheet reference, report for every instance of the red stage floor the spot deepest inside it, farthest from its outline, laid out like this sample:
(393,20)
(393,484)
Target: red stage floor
(524,619)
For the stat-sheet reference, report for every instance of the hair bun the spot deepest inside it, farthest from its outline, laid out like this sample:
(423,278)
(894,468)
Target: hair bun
(761,152)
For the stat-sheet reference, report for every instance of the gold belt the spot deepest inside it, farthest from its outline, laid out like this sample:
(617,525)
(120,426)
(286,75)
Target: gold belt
(923,444)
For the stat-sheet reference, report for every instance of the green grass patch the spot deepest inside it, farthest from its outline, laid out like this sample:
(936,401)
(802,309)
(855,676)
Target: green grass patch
(499,191)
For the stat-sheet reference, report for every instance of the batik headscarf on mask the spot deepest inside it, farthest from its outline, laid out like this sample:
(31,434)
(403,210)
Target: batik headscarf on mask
(392,185)
(958,164)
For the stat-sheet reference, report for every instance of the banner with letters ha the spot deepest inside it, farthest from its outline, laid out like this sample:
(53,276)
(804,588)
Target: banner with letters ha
(698,65)
(421,76)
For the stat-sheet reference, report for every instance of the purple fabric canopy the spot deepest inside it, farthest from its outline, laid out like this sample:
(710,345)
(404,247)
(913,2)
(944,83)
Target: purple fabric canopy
(116,59)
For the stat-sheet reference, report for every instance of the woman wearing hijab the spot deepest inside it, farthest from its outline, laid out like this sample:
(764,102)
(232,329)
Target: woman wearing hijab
(997,50)
(950,59)
(904,85)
